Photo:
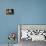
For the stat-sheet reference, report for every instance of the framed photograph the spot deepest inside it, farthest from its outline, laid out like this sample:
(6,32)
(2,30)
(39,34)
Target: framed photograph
(9,11)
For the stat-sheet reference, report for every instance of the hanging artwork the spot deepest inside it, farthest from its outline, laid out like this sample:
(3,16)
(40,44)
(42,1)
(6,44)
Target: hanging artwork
(9,11)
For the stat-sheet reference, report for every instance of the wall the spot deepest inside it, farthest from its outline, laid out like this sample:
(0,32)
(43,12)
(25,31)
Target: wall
(27,12)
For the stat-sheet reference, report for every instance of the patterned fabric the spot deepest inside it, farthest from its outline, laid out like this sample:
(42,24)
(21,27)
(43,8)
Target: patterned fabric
(32,33)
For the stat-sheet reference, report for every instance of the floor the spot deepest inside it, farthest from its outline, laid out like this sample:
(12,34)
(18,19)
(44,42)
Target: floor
(30,43)
(7,45)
